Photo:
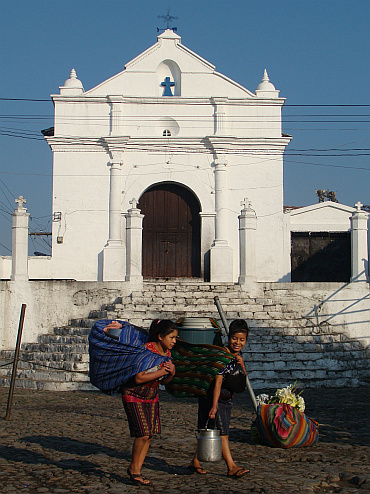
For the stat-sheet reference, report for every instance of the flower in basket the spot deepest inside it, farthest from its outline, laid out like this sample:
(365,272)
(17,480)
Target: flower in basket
(286,395)
(283,426)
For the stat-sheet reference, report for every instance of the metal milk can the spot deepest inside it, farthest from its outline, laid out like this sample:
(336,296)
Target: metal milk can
(209,445)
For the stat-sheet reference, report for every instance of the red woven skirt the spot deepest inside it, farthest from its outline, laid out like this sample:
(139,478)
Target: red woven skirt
(141,405)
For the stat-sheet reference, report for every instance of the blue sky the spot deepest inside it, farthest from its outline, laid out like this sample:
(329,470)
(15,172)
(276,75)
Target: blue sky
(315,52)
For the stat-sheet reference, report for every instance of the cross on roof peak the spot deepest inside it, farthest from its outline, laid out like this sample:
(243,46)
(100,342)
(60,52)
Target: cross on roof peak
(168,18)
(358,206)
(133,203)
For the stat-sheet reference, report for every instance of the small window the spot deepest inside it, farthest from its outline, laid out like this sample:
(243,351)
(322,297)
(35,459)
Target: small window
(166,133)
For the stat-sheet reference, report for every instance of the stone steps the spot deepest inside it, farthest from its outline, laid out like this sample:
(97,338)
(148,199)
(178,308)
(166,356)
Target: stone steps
(283,346)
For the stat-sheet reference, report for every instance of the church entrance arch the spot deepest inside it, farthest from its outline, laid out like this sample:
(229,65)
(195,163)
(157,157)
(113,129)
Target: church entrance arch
(171,232)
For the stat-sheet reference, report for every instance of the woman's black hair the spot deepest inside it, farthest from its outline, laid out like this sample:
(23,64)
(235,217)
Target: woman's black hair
(238,326)
(161,327)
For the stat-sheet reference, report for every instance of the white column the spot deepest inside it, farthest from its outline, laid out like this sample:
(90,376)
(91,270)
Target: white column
(207,237)
(114,253)
(115,201)
(134,242)
(359,247)
(221,252)
(221,201)
(20,242)
(247,243)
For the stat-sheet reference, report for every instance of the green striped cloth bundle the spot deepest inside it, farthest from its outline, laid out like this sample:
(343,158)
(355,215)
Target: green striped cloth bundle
(196,367)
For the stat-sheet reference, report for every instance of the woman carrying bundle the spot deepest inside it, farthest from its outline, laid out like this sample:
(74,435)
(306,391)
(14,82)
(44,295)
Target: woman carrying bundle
(140,395)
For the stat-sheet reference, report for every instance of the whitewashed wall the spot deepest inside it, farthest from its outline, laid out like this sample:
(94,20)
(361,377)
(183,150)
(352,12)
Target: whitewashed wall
(50,304)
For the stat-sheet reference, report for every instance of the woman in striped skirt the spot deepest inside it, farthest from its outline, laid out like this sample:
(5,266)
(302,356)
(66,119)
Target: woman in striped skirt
(140,395)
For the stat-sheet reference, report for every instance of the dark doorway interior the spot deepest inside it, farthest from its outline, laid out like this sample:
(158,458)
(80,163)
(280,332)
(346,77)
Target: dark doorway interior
(321,256)
(171,232)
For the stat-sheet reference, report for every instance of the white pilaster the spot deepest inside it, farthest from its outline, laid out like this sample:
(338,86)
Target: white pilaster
(115,127)
(20,242)
(114,253)
(134,242)
(219,116)
(359,247)
(221,253)
(247,243)
(208,234)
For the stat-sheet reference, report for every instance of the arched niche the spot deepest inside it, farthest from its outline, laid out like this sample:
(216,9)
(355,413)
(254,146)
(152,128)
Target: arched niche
(169,68)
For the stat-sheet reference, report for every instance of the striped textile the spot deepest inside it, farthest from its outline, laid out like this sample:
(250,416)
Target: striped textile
(196,367)
(142,409)
(114,361)
(283,426)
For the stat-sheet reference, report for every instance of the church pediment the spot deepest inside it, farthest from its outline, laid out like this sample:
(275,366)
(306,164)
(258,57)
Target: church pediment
(167,69)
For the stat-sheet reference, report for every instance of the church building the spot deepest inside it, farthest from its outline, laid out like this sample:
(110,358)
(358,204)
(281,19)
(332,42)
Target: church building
(168,184)
(153,167)
(170,169)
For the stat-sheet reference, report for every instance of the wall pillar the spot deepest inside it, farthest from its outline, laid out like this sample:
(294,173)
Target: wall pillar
(114,253)
(20,242)
(208,234)
(221,253)
(134,242)
(359,247)
(247,243)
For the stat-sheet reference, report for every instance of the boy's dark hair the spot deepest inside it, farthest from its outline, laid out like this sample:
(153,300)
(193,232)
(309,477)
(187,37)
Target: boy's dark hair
(161,327)
(238,326)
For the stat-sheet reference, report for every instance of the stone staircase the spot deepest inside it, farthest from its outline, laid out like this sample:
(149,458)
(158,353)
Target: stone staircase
(283,346)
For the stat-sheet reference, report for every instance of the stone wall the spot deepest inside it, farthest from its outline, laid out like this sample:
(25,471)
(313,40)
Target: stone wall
(346,308)
(50,303)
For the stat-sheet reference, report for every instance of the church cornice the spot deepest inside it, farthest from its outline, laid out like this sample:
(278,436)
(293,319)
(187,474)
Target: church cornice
(251,100)
(219,145)
(214,144)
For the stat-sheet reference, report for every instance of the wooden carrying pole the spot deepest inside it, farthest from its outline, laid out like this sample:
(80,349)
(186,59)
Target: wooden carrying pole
(15,363)
(226,326)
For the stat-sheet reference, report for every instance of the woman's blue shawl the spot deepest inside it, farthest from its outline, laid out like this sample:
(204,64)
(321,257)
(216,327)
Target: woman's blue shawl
(114,360)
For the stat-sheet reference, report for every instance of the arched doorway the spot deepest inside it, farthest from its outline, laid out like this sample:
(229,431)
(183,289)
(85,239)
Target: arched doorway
(171,232)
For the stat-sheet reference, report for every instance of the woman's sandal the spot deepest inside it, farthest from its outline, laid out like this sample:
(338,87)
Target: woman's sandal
(239,473)
(197,470)
(138,479)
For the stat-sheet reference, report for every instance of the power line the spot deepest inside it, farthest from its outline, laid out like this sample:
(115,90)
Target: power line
(2,245)
(286,105)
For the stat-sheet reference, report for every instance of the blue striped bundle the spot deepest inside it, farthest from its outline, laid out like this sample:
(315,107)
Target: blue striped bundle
(114,361)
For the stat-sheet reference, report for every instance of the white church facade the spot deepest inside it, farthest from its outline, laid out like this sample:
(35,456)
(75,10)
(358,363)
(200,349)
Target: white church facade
(179,143)
(171,170)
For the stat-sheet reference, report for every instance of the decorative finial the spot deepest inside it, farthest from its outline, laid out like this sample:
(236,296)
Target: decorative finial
(265,77)
(358,206)
(73,74)
(20,202)
(247,204)
(133,203)
(266,86)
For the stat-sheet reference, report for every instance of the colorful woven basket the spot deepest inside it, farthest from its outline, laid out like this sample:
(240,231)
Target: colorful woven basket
(284,426)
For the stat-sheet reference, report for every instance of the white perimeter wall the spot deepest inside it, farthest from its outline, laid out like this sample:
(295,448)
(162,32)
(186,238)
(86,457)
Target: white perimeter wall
(346,307)
(50,304)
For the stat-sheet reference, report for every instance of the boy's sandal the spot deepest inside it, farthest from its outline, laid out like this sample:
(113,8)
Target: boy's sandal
(239,473)
(198,470)
(138,478)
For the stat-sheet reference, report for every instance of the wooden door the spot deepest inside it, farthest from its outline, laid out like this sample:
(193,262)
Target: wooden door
(171,232)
